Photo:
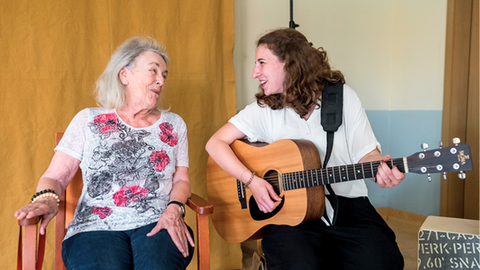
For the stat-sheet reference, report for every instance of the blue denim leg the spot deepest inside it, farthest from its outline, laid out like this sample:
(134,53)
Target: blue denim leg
(103,250)
(157,251)
(111,250)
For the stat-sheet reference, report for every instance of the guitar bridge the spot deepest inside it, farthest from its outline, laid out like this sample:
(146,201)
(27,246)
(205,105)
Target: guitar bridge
(242,196)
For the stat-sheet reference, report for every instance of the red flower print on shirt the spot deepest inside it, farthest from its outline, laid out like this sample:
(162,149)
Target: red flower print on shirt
(166,127)
(159,160)
(106,123)
(167,135)
(103,212)
(170,139)
(127,195)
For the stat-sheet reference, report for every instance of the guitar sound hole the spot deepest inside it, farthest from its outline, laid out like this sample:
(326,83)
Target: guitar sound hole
(272,178)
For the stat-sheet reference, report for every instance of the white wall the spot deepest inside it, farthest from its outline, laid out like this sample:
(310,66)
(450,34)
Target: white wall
(391,51)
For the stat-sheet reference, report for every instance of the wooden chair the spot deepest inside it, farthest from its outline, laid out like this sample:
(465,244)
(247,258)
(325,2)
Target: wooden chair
(32,246)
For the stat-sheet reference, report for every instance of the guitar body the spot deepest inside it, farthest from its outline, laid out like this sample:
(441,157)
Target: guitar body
(237,221)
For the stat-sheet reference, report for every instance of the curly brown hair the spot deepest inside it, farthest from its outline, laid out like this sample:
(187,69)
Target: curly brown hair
(306,71)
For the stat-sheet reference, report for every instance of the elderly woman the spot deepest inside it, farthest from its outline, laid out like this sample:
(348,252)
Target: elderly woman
(134,161)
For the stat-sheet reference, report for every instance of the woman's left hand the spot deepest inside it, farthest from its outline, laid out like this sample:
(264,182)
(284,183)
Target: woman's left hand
(387,177)
(173,222)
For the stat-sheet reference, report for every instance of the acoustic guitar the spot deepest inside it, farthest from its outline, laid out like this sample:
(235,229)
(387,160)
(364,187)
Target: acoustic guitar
(293,168)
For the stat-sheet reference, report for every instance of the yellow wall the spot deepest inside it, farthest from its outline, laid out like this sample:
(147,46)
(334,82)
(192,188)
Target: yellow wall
(52,52)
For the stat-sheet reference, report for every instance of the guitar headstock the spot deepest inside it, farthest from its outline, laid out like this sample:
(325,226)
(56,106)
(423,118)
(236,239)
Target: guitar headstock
(455,158)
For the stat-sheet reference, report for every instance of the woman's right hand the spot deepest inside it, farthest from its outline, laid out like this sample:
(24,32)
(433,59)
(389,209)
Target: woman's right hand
(264,194)
(60,172)
(46,208)
(218,147)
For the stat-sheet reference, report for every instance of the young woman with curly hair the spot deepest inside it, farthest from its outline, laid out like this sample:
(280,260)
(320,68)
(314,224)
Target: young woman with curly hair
(292,75)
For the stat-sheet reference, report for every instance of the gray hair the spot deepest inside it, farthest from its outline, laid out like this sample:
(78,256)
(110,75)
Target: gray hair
(109,90)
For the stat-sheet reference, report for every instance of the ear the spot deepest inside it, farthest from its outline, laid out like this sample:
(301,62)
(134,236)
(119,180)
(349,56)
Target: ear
(123,75)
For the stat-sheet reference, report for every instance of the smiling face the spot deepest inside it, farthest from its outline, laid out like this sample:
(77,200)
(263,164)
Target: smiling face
(145,81)
(269,71)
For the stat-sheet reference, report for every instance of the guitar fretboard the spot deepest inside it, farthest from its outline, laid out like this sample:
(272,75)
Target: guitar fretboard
(331,175)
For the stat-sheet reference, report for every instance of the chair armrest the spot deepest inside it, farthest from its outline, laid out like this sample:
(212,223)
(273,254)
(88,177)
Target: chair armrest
(29,221)
(200,205)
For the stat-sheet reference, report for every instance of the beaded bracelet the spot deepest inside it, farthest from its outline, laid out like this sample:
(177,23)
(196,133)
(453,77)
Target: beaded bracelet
(45,193)
(250,180)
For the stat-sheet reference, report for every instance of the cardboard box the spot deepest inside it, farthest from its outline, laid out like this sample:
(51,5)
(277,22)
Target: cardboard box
(449,243)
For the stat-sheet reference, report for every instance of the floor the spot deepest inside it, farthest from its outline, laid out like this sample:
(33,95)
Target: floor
(406,226)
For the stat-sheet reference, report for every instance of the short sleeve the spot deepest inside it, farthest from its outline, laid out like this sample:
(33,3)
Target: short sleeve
(359,134)
(182,153)
(249,122)
(73,140)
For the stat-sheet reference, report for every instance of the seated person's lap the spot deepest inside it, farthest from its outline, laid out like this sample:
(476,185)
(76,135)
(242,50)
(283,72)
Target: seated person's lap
(121,250)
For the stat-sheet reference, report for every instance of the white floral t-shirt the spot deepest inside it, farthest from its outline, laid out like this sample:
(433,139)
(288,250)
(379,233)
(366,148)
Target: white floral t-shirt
(127,171)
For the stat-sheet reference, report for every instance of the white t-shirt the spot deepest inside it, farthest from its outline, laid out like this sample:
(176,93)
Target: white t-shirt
(127,171)
(353,139)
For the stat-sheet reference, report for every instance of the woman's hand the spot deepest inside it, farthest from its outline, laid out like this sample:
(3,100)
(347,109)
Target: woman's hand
(264,194)
(60,172)
(387,177)
(173,222)
(46,208)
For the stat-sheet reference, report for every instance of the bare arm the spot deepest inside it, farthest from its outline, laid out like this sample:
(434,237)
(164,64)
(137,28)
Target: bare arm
(60,172)
(218,146)
(181,185)
(386,177)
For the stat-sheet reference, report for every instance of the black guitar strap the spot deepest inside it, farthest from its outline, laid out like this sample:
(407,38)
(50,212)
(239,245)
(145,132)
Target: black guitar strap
(331,111)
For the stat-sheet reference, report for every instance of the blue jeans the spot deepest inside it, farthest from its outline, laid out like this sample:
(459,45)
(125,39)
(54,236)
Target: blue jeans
(118,250)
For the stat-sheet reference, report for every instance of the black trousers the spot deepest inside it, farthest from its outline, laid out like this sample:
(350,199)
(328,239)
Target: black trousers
(360,239)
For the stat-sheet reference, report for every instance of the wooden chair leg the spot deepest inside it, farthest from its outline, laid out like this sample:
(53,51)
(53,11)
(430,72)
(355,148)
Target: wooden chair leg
(202,209)
(28,247)
(203,242)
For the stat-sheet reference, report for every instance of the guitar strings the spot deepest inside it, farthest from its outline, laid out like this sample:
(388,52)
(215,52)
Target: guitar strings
(334,173)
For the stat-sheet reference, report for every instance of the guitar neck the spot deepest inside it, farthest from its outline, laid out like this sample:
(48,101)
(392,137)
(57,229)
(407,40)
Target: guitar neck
(338,174)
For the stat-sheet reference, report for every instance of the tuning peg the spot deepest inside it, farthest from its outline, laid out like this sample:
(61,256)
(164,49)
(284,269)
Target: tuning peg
(445,175)
(456,141)
(462,175)
(440,144)
(424,146)
(429,177)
